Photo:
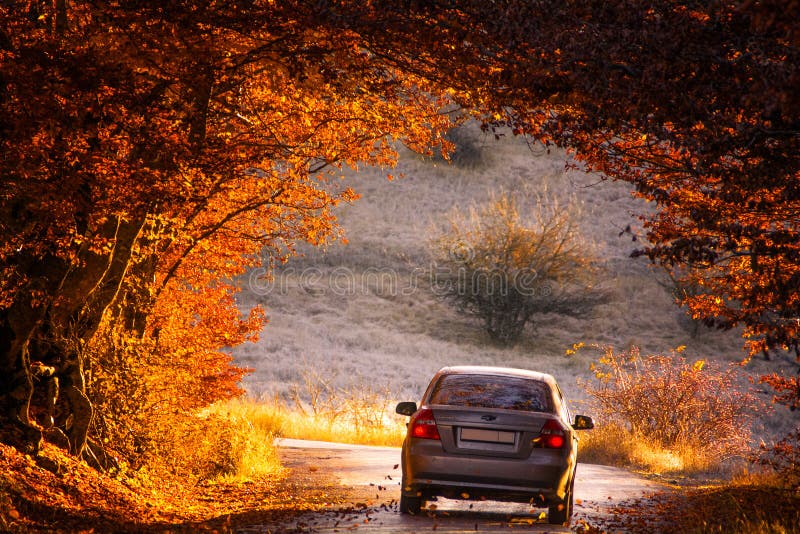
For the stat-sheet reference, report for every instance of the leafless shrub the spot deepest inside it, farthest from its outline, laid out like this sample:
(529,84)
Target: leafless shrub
(317,396)
(493,267)
(360,406)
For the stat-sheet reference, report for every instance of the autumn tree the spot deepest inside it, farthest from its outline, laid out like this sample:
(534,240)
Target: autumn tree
(153,152)
(502,268)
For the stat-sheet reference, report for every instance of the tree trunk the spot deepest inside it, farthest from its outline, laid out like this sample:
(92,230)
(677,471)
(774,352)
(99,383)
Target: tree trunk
(52,336)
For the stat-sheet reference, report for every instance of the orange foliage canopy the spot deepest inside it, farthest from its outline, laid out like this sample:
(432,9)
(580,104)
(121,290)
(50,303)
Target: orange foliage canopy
(153,152)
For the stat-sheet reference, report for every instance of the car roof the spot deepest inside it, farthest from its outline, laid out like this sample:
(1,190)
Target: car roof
(502,371)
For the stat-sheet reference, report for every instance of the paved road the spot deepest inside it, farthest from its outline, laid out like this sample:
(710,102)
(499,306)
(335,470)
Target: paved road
(372,477)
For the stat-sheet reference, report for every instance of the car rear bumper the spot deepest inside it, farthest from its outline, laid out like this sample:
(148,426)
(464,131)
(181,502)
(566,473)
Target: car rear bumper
(542,478)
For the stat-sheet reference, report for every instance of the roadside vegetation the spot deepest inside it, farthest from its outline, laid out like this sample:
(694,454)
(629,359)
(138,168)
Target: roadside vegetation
(690,424)
(359,414)
(666,414)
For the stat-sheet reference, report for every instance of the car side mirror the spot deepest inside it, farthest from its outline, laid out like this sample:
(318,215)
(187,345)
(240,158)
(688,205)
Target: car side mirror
(406,408)
(583,422)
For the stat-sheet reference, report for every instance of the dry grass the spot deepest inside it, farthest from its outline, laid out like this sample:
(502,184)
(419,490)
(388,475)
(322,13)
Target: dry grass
(244,445)
(299,425)
(352,421)
(613,444)
(359,413)
(245,441)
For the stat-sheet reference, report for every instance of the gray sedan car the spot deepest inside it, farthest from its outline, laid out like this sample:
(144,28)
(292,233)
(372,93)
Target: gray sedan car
(491,433)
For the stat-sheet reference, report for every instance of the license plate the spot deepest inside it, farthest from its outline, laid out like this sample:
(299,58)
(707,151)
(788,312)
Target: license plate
(490,436)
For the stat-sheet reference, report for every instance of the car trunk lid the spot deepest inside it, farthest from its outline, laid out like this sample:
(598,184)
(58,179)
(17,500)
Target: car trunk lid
(488,431)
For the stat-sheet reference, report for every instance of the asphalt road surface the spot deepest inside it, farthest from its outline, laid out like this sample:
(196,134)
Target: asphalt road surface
(370,477)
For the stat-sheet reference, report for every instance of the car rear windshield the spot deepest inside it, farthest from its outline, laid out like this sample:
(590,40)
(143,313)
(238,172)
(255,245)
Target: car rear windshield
(488,391)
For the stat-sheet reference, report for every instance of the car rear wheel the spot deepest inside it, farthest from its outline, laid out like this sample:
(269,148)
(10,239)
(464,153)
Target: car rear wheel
(560,514)
(410,505)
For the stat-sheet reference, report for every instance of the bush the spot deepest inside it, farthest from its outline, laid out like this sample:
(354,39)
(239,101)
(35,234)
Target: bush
(238,444)
(493,267)
(146,399)
(675,404)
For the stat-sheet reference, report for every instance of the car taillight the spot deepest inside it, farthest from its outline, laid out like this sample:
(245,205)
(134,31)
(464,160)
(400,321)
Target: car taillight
(423,425)
(552,435)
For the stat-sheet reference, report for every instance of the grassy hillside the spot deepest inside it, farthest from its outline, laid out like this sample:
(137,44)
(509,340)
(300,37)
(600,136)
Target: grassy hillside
(362,312)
